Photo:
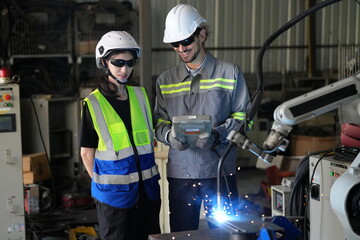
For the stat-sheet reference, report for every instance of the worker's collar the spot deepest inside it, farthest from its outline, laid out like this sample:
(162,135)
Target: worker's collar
(205,68)
(193,72)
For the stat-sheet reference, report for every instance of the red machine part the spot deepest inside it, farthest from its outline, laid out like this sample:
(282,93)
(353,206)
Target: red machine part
(350,135)
(4,73)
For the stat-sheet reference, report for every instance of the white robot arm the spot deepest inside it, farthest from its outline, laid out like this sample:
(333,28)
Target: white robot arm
(308,106)
(345,193)
(297,110)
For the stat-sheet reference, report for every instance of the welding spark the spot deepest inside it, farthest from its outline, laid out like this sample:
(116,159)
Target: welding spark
(220,216)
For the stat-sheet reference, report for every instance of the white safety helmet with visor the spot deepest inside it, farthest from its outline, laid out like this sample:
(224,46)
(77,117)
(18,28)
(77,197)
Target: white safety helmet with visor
(115,40)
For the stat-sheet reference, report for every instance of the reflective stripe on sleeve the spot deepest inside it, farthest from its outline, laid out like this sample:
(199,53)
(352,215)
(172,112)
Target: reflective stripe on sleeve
(239,116)
(159,121)
(250,124)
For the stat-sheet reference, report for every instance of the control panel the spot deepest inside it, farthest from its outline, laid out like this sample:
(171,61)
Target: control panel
(12,219)
(6,97)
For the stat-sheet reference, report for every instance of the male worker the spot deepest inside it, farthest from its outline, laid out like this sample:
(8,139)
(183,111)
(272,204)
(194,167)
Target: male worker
(200,85)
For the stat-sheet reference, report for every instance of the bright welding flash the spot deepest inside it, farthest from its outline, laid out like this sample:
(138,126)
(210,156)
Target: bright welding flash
(220,216)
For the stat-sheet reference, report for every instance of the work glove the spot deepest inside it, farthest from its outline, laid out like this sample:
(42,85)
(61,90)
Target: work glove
(176,143)
(206,141)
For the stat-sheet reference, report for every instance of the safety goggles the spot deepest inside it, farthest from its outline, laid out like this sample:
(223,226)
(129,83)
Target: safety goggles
(188,41)
(121,62)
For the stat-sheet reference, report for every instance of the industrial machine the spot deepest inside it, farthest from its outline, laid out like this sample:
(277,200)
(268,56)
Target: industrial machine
(12,219)
(290,113)
(345,200)
(280,197)
(324,171)
(294,111)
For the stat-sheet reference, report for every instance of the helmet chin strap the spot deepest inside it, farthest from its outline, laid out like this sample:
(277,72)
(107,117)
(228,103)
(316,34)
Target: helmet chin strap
(108,72)
(113,77)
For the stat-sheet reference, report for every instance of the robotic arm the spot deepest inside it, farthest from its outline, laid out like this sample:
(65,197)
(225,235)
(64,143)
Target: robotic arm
(345,193)
(311,105)
(297,110)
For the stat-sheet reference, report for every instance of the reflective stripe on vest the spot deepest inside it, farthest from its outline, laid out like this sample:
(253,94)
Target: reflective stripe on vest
(125,179)
(142,137)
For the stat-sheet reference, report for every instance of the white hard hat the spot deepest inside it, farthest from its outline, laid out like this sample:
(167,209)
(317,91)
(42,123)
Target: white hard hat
(115,40)
(181,22)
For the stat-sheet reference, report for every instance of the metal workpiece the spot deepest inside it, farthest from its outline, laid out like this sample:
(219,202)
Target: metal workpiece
(245,227)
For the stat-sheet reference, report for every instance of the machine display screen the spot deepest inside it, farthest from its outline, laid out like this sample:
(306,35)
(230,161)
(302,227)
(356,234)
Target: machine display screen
(7,123)
(279,200)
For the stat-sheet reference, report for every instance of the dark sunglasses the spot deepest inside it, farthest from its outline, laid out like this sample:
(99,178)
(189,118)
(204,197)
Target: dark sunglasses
(187,41)
(122,62)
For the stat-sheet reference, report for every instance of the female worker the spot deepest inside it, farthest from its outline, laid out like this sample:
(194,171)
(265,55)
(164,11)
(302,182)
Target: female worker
(116,140)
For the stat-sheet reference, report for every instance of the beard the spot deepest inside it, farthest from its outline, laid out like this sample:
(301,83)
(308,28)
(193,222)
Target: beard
(191,58)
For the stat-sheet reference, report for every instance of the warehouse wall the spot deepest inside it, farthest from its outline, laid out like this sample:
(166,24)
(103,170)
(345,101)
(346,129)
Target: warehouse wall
(239,28)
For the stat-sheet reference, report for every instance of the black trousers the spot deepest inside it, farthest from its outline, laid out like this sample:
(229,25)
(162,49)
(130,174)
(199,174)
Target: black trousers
(135,223)
(186,195)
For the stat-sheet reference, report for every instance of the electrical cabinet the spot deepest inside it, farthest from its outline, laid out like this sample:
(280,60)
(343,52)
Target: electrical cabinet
(12,220)
(324,224)
(51,126)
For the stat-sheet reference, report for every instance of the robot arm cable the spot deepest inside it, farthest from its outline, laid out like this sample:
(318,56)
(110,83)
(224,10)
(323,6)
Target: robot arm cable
(256,98)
